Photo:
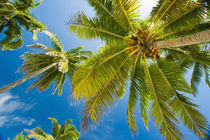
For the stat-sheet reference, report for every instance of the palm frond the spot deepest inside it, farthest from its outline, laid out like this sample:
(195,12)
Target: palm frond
(92,28)
(98,69)
(27,21)
(40,46)
(106,11)
(45,80)
(33,134)
(133,97)
(196,77)
(24,5)
(181,104)
(127,11)
(56,127)
(202,57)
(207,74)
(61,83)
(55,41)
(183,32)
(15,15)
(192,52)
(8,10)
(13,38)
(167,11)
(188,113)
(34,62)
(160,109)
(97,105)
(138,88)
(187,16)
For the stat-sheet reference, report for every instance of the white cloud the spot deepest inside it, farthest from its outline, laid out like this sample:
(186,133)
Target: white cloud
(9,104)
(15,120)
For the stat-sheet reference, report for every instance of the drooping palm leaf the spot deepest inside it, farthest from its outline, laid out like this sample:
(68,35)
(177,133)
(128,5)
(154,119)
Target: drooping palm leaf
(207,74)
(182,106)
(160,110)
(98,104)
(15,15)
(138,90)
(196,76)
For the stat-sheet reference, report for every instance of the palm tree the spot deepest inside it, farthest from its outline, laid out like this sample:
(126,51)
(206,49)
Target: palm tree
(64,132)
(13,16)
(19,137)
(53,65)
(140,51)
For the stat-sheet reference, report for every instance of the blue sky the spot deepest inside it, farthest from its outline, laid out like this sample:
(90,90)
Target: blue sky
(19,110)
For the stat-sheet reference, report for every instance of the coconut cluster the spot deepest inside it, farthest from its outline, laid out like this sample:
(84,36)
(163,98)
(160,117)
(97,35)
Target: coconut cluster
(152,53)
(143,45)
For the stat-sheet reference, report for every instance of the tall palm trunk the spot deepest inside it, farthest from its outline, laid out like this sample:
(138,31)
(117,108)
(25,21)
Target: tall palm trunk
(196,38)
(25,78)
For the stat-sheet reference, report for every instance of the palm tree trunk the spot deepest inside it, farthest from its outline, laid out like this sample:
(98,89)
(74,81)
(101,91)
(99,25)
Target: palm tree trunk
(25,78)
(196,38)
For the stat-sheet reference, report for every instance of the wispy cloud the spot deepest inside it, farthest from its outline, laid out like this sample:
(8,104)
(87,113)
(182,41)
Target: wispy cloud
(9,104)
(15,120)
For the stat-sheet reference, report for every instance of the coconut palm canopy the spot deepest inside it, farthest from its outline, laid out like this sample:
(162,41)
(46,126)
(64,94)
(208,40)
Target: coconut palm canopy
(153,55)
(14,16)
(66,131)
(53,65)
(19,111)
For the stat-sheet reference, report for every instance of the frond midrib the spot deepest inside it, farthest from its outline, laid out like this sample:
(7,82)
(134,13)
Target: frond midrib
(97,29)
(156,98)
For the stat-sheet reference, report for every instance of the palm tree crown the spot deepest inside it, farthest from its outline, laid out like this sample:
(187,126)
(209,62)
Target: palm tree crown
(140,51)
(13,16)
(66,131)
(53,65)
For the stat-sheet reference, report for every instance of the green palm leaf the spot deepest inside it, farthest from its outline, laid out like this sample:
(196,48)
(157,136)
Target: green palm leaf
(105,11)
(98,69)
(207,74)
(56,127)
(8,10)
(97,105)
(15,15)
(66,131)
(117,21)
(160,110)
(90,28)
(52,65)
(196,76)
(127,12)
(182,15)
(138,88)
(182,105)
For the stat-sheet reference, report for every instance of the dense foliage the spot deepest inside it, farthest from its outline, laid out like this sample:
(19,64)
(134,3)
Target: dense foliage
(66,131)
(14,16)
(155,74)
